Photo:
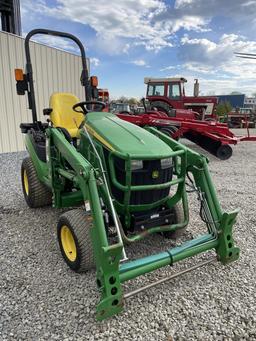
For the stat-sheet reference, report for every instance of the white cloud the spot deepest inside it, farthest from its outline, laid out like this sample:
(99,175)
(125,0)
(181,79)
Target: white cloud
(211,54)
(189,23)
(140,22)
(249,3)
(126,48)
(95,61)
(217,66)
(238,13)
(170,67)
(155,45)
(119,20)
(215,85)
(149,23)
(139,62)
(204,42)
(182,3)
(195,67)
(225,86)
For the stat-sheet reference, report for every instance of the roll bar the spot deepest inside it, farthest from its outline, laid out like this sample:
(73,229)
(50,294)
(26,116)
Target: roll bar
(29,70)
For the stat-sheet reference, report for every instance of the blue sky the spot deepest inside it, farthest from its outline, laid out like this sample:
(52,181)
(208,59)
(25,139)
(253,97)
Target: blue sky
(128,40)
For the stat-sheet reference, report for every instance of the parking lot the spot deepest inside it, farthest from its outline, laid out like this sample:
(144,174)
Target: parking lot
(41,299)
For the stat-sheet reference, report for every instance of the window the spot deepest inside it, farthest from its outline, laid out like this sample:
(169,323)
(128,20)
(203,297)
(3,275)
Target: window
(156,90)
(174,91)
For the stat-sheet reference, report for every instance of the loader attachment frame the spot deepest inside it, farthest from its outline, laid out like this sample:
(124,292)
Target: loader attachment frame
(111,271)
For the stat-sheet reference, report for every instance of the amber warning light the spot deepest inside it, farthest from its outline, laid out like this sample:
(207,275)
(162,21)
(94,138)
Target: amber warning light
(94,81)
(19,76)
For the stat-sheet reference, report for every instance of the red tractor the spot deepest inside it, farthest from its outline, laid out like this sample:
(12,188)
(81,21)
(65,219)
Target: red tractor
(168,95)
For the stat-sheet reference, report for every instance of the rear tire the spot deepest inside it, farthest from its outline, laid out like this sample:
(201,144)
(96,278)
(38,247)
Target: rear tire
(73,232)
(177,219)
(35,192)
(170,131)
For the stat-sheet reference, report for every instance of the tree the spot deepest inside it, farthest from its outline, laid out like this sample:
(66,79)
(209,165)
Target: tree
(133,101)
(130,101)
(122,99)
(223,108)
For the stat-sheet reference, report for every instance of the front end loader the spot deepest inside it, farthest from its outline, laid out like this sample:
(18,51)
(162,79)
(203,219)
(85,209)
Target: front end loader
(124,183)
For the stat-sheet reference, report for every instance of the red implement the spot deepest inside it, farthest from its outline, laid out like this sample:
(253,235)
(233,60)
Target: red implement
(213,136)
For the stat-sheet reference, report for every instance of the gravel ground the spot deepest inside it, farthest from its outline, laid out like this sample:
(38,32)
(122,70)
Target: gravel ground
(41,299)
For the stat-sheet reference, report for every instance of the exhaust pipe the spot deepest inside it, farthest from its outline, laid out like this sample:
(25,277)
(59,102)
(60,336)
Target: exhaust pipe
(196,88)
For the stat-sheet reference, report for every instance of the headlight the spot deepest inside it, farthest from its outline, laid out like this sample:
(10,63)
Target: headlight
(166,163)
(136,164)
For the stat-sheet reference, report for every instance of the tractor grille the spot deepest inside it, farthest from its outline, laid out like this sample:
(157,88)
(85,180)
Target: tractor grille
(144,176)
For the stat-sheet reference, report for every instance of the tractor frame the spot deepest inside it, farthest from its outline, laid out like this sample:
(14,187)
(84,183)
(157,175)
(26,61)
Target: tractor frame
(91,182)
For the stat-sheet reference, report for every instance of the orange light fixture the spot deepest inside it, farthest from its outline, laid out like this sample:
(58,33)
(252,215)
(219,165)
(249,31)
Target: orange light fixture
(19,76)
(94,81)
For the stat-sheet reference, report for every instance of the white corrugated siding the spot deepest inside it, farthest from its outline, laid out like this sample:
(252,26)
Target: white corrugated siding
(54,71)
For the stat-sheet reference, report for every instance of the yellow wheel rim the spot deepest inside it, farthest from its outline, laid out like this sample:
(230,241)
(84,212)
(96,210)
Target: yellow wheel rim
(68,243)
(25,181)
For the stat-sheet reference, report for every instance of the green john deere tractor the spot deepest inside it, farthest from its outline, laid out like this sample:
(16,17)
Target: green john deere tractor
(118,177)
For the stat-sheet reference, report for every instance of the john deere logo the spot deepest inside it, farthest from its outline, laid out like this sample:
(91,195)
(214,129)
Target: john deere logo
(155,174)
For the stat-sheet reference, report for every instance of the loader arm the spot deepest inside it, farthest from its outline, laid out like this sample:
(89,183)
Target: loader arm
(110,272)
(221,221)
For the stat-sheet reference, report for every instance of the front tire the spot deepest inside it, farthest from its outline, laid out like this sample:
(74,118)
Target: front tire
(35,192)
(178,217)
(73,232)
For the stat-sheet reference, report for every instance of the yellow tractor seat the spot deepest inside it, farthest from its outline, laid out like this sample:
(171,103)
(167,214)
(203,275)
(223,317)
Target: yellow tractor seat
(63,115)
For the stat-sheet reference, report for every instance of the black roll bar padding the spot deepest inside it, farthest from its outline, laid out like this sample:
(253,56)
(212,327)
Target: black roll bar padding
(29,69)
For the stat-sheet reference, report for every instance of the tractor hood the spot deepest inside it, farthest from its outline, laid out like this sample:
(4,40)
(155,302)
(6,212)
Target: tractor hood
(124,137)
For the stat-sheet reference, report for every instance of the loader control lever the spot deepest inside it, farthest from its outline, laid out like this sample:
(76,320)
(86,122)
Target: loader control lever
(93,106)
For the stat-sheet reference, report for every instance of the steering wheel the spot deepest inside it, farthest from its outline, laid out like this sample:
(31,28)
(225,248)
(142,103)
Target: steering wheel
(83,106)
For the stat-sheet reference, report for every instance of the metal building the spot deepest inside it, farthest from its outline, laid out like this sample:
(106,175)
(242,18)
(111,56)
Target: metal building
(54,71)
(250,103)
(236,101)
(10,16)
